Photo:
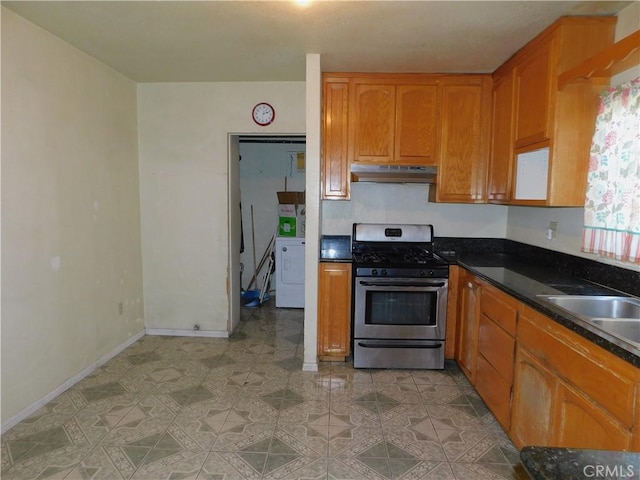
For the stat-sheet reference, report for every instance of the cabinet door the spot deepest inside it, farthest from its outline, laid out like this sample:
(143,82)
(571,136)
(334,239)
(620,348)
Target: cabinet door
(582,424)
(335,164)
(501,160)
(463,141)
(533,77)
(533,399)
(468,329)
(373,122)
(416,118)
(334,311)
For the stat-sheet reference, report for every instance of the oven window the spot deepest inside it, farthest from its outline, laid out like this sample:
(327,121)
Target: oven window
(401,308)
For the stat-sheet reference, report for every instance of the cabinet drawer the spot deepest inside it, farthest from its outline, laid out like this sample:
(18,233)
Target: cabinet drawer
(597,373)
(497,347)
(500,309)
(494,390)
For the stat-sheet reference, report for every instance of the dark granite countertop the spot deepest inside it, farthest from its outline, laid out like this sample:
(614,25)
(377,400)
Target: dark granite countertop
(547,463)
(525,279)
(335,248)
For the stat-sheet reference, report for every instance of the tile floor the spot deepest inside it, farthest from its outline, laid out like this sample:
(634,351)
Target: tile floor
(242,408)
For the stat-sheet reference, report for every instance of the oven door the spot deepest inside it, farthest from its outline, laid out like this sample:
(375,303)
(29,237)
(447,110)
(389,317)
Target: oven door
(400,308)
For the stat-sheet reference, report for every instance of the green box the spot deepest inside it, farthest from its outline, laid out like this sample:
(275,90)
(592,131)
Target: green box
(287,227)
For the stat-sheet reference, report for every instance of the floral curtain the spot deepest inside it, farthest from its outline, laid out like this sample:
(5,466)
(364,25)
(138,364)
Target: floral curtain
(612,205)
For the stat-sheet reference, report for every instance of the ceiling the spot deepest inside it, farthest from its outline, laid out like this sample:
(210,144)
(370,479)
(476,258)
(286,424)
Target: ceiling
(207,41)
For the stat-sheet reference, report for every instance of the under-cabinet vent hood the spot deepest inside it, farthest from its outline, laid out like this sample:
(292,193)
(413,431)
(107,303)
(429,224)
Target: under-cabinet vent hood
(393,173)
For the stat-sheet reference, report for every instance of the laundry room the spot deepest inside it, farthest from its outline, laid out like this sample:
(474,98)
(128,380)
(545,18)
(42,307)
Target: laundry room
(272,226)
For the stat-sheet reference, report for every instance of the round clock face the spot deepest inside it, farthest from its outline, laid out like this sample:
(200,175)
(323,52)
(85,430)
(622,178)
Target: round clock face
(263,114)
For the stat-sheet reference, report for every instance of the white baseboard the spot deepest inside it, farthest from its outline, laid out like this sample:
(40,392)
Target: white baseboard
(34,407)
(310,367)
(187,333)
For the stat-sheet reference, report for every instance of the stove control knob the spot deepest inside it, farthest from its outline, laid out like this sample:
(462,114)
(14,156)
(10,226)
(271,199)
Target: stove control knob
(422,273)
(383,272)
(374,272)
(431,273)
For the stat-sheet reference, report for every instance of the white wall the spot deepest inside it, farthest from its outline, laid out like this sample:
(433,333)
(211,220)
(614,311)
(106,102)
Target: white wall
(70,213)
(393,203)
(528,225)
(183,145)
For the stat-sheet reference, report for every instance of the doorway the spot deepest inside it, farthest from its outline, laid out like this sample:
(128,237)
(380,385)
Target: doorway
(260,166)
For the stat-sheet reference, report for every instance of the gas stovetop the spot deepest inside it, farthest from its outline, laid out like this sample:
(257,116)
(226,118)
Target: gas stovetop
(396,251)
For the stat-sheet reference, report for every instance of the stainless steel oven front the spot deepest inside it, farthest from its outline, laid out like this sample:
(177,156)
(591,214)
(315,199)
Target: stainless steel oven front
(399,322)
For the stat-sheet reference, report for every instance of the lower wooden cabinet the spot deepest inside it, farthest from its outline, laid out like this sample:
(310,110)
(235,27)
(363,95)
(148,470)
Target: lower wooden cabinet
(580,423)
(496,351)
(569,392)
(334,311)
(533,397)
(467,350)
(545,384)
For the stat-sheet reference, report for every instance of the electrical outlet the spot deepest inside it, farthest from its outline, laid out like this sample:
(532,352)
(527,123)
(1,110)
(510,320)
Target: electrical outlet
(553,226)
(120,308)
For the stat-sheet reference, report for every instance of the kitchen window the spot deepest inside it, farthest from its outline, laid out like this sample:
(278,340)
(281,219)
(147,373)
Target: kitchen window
(612,204)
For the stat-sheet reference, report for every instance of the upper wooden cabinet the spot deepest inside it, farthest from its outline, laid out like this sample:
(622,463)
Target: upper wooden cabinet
(463,139)
(416,121)
(533,78)
(335,168)
(408,119)
(542,136)
(500,161)
(393,120)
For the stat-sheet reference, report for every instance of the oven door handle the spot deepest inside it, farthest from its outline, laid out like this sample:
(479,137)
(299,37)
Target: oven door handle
(403,284)
(395,345)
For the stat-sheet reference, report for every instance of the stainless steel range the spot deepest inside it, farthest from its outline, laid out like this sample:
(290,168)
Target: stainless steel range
(400,297)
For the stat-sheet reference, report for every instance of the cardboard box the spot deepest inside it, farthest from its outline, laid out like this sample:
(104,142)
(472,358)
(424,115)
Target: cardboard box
(287,227)
(291,214)
(291,221)
(291,198)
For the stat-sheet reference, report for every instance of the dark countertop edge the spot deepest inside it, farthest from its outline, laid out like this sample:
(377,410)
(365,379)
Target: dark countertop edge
(551,463)
(334,260)
(574,324)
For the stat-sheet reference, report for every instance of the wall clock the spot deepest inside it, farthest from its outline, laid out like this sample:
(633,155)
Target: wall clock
(263,114)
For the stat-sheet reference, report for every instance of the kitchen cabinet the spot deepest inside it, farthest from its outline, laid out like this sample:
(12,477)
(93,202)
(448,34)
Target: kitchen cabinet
(500,162)
(393,120)
(335,168)
(545,384)
(568,391)
(533,398)
(468,319)
(496,352)
(408,119)
(598,429)
(334,311)
(533,78)
(558,124)
(463,139)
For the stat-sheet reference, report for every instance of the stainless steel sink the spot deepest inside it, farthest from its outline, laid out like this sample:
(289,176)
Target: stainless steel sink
(596,306)
(619,316)
(628,328)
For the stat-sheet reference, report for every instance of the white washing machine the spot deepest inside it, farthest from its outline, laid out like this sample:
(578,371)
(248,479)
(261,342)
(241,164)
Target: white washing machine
(289,272)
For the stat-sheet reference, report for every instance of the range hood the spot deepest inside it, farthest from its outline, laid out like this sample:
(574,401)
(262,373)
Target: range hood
(393,173)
